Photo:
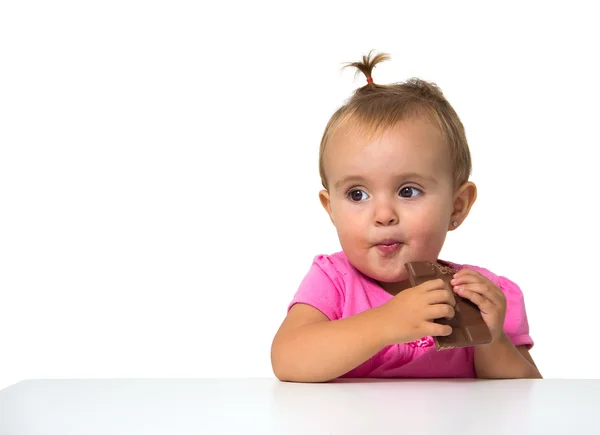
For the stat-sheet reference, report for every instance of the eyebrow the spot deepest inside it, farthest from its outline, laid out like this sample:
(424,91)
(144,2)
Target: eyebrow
(407,176)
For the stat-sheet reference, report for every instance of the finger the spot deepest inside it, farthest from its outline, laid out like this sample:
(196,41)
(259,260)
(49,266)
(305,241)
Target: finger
(433,284)
(436,330)
(467,271)
(440,311)
(441,297)
(484,304)
(467,276)
(491,292)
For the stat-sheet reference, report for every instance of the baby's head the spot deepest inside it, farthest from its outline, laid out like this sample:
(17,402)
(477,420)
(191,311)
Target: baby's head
(395,165)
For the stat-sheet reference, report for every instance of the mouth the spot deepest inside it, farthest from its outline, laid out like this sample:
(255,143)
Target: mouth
(388,246)
(389,242)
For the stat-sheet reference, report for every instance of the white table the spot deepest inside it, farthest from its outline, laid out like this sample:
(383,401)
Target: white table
(267,406)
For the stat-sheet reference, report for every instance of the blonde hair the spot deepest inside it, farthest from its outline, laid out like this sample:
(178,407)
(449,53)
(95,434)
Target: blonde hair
(374,108)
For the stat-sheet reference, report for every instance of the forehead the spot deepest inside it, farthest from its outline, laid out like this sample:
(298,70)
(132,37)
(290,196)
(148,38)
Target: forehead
(413,145)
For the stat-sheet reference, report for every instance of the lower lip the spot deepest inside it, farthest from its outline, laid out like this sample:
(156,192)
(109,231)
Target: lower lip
(388,249)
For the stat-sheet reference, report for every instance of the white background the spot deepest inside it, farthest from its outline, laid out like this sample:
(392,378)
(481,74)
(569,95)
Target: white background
(159,179)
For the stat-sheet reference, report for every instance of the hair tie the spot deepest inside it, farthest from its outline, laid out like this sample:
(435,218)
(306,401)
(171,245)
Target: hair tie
(370,79)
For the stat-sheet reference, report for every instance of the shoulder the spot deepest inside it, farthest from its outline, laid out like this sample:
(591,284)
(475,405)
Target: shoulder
(332,267)
(324,286)
(336,264)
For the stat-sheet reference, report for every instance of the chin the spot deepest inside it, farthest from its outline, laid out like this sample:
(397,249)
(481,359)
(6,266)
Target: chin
(390,273)
(389,277)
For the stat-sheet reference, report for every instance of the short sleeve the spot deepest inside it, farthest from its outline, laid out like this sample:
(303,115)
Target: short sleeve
(516,325)
(322,288)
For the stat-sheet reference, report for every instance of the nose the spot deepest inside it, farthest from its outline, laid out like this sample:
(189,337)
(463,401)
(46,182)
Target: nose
(385,214)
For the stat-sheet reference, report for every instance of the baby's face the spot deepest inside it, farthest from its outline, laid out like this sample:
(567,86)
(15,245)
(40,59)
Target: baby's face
(391,197)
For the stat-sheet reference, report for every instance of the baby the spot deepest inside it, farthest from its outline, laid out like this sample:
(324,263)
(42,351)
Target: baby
(395,166)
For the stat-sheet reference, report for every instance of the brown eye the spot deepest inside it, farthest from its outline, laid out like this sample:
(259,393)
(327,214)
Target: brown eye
(407,192)
(357,195)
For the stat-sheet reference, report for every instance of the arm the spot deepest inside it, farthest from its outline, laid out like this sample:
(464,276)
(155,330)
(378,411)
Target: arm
(501,359)
(310,348)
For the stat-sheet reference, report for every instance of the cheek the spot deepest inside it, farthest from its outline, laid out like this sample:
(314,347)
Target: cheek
(423,231)
(349,221)
(429,224)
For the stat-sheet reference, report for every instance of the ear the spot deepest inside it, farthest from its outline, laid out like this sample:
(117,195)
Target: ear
(464,198)
(326,203)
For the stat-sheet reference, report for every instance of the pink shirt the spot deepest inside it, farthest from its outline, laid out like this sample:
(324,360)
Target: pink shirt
(338,290)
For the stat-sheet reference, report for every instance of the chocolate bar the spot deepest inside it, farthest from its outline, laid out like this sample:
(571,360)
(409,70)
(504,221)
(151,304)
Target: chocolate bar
(468,327)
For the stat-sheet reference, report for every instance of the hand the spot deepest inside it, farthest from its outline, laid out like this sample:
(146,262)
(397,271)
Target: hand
(488,297)
(409,315)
